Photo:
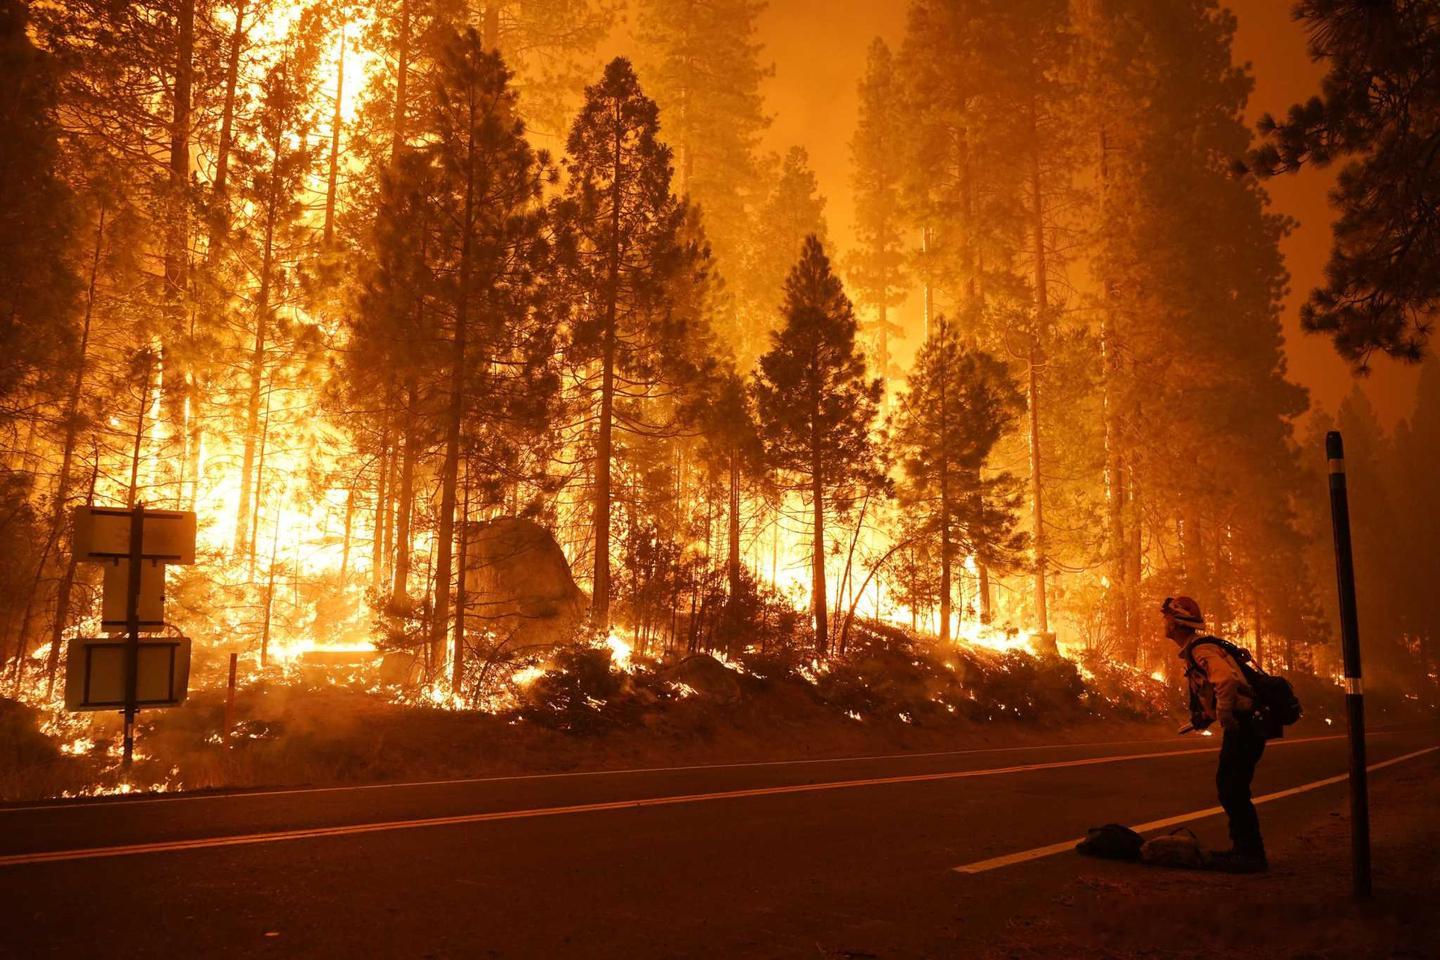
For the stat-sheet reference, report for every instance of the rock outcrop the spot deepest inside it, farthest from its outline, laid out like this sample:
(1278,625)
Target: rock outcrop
(519,584)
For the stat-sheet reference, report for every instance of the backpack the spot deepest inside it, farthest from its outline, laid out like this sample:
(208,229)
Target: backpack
(1111,842)
(1275,700)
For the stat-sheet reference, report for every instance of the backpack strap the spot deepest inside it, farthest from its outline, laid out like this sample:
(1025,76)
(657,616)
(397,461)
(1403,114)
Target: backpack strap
(1239,654)
(1189,651)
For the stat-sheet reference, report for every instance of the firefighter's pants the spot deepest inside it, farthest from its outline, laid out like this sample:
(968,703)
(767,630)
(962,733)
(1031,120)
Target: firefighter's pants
(1240,751)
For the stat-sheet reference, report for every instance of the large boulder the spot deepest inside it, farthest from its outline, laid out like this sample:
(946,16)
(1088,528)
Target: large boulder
(519,584)
(708,677)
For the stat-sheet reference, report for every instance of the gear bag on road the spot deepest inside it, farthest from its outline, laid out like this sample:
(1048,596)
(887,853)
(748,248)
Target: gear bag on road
(1111,842)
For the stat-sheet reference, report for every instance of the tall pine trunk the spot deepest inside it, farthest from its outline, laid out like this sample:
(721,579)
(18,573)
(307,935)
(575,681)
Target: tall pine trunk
(1042,312)
(732,554)
(405,502)
(256,375)
(332,181)
(67,457)
(177,232)
(883,347)
(1134,547)
(217,229)
(445,536)
(457,658)
(975,294)
(227,113)
(946,550)
(402,72)
(1122,630)
(259,485)
(349,529)
(600,602)
(382,510)
(818,600)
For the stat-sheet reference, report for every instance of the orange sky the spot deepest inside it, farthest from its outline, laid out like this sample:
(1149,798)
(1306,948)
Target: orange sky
(818,48)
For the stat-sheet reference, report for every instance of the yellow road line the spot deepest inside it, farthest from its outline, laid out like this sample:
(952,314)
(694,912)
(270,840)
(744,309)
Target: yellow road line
(1036,853)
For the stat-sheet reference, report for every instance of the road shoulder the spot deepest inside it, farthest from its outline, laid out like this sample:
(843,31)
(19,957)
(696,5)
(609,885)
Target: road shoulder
(1301,908)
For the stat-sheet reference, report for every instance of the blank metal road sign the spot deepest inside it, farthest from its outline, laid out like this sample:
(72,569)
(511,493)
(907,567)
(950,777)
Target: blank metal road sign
(95,673)
(115,600)
(103,533)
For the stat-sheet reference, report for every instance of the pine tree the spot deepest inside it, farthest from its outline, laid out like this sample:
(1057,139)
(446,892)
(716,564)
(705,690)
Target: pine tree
(990,104)
(394,339)
(1043,101)
(794,211)
(1416,446)
(961,186)
(550,46)
(702,62)
(272,168)
(816,408)
(1377,530)
(624,229)
(877,267)
(734,453)
(139,88)
(958,404)
(1379,112)
(37,284)
(388,140)
(40,361)
(492,251)
(1193,282)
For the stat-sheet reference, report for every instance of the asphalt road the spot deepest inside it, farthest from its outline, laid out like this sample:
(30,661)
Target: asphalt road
(836,858)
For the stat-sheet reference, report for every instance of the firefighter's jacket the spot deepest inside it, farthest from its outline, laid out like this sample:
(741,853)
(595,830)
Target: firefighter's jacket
(1218,690)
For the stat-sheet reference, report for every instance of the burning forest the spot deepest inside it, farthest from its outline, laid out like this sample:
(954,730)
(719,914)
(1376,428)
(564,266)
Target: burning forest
(579,382)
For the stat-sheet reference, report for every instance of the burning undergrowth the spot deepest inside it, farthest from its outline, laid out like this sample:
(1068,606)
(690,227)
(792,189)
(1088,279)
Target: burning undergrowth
(343,718)
(308,720)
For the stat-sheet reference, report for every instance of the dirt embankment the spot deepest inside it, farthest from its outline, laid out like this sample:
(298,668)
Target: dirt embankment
(583,711)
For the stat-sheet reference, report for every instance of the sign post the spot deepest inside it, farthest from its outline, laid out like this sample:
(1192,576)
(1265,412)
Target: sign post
(132,628)
(128,540)
(230,699)
(1350,645)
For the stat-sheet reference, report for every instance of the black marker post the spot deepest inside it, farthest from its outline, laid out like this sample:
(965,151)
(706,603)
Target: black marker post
(1350,645)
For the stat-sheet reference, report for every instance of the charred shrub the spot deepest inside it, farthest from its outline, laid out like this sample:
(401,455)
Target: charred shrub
(580,692)
(1121,691)
(886,674)
(1023,686)
(759,619)
(21,742)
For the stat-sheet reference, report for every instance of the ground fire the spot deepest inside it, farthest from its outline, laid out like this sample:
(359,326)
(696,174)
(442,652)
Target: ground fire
(664,409)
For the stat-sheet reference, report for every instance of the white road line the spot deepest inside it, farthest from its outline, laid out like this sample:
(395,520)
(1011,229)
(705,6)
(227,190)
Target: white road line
(170,846)
(994,863)
(131,800)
